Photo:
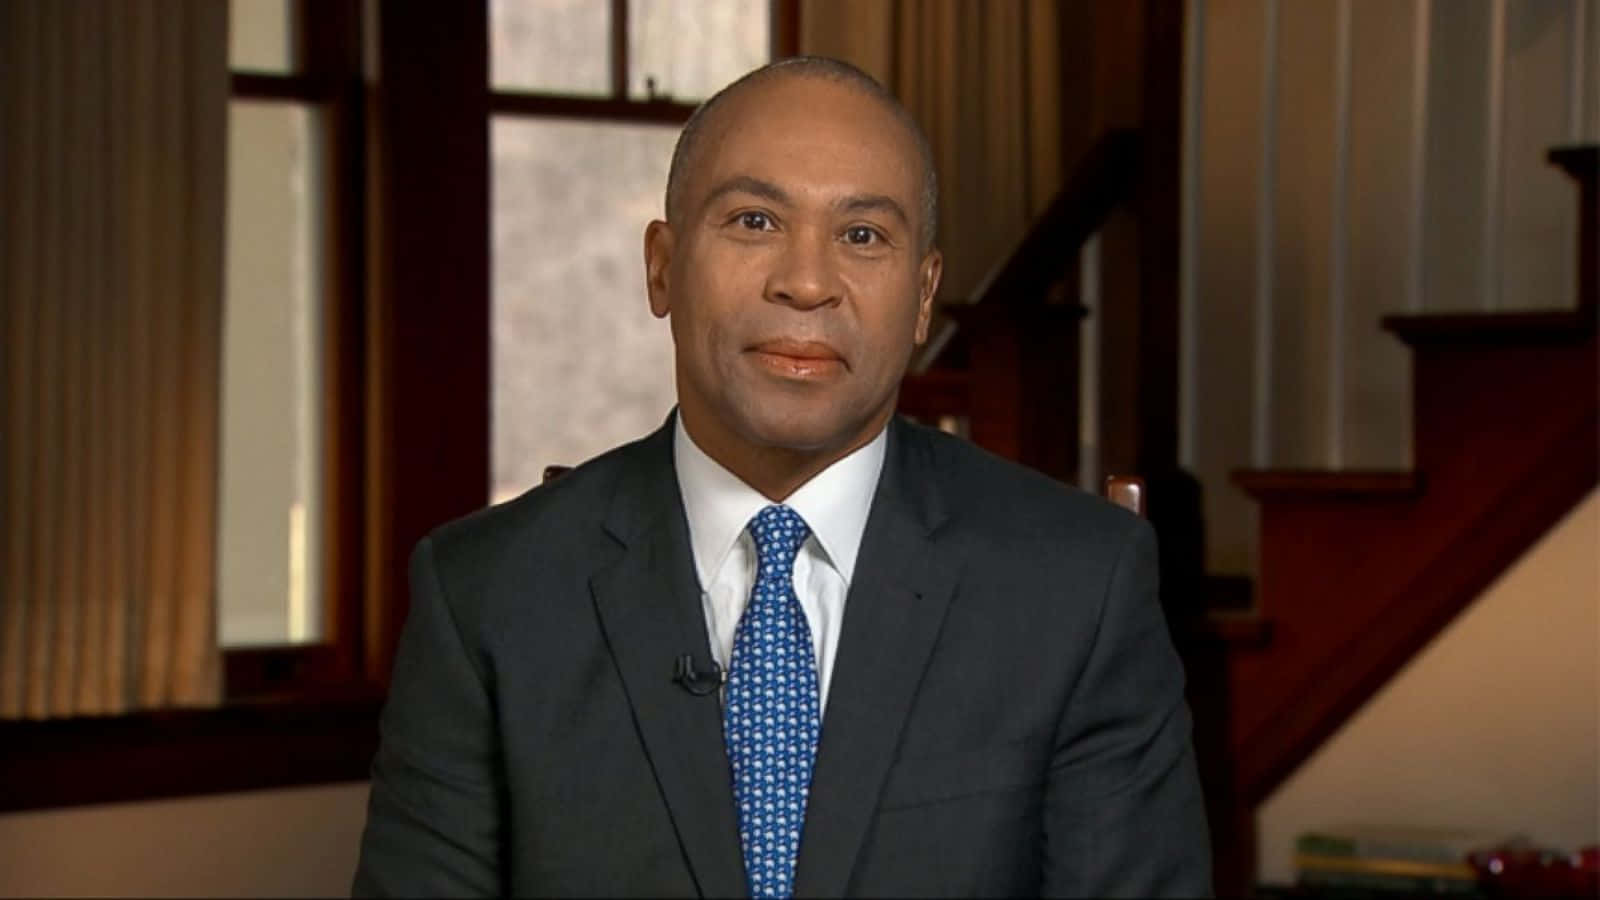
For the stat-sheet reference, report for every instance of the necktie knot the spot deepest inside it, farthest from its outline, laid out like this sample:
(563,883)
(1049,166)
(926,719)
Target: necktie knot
(778,532)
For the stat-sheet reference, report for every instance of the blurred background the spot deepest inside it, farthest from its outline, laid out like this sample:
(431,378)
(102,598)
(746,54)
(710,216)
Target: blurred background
(289,282)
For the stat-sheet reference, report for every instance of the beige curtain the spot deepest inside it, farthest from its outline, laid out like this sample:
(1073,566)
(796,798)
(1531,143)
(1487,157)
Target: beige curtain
(111,217)
(984,79)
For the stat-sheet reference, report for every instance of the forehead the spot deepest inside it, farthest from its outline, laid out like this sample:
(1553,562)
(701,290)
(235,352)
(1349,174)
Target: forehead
(811,135)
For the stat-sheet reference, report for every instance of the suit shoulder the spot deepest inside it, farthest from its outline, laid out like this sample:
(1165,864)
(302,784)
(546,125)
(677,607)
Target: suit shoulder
(1002,497)
(544,518)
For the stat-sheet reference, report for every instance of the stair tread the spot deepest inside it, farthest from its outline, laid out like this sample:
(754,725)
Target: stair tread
(1556,326)
(1308,484)
(1578,160)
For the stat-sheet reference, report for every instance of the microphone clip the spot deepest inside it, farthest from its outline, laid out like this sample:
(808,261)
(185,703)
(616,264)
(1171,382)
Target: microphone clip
(700,684)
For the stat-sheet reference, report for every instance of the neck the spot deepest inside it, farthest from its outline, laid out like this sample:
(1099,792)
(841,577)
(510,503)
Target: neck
(774,472)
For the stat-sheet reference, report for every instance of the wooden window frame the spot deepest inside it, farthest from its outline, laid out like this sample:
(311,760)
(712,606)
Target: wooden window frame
(401,453)
(304,713)
(784,35)
(328,79)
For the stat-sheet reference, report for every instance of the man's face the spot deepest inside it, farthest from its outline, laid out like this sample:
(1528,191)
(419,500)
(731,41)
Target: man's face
(796,281)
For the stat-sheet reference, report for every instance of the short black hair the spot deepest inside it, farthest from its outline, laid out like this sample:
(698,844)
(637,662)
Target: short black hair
(828,69)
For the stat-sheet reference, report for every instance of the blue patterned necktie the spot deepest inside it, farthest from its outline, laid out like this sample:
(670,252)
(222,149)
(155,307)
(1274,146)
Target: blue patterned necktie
(772,718)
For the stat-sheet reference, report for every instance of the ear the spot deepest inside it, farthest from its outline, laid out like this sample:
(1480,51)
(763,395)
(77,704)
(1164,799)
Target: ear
(928,286)
(658,246)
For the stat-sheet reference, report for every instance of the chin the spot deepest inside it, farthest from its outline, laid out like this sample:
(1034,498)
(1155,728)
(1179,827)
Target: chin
(800,429)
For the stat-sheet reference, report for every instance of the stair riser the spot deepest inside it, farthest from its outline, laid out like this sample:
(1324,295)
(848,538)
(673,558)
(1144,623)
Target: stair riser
(1500,394)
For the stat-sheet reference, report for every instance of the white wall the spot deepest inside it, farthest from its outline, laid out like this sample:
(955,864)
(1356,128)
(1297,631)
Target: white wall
(286,843)
(1495,726)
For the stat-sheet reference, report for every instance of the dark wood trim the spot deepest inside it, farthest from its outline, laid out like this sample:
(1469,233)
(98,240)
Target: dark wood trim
(1160,187)
(329,38)
(619,49)
(287,672)
(172,753)
(1137,83)
(1024,376)
(1243,630)
(785,29)
(1583,164)
(429,328)
(284,88)
(647,112)
(935,393)
(1565,326)
(337,49)
(1228,594)
(1276,485)
(1113,90)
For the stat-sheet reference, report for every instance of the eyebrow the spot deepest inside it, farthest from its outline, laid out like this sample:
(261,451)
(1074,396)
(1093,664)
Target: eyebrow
(875,203)
(748,184)
(855,203)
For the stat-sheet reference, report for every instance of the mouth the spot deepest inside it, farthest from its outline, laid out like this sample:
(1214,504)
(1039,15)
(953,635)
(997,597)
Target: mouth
(798,359)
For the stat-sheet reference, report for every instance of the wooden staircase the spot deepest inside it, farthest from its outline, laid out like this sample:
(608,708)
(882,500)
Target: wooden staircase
(1360,570)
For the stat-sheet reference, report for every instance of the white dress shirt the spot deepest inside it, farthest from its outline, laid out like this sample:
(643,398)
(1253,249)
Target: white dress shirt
(834,503)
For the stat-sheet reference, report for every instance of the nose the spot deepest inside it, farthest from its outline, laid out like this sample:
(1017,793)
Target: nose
(805,274)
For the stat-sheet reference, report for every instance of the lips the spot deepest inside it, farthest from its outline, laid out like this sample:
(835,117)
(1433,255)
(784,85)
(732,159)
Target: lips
(798,359)
(808,351)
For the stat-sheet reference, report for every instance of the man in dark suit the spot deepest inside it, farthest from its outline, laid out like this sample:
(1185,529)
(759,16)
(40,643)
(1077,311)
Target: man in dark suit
(788,644)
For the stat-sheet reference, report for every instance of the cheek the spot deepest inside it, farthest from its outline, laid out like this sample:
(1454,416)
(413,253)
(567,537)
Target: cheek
(890,309)
(707,315)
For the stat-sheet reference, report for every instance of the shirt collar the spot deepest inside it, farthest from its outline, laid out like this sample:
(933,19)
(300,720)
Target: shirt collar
(834,503)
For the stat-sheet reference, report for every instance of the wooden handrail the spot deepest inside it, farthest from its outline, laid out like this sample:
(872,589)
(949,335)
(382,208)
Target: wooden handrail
(1104,179)
(1107,176)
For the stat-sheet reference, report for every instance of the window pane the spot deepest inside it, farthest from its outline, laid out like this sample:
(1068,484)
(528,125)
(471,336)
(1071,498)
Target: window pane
(268,578)
(550,46)
(691,48)
(261,36)
(580,365)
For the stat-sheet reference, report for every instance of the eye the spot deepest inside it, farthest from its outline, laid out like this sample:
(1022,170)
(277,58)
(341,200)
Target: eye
(755,220)
(862,236)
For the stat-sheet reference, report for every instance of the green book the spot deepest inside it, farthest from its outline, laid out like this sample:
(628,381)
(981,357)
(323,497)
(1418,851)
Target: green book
(1421,845)
(1362,882)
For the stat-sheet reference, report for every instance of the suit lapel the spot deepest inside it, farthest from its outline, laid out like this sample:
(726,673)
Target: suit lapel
(893,614)
(649,608)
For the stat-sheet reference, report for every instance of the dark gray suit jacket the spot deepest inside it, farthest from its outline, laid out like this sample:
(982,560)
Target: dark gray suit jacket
(1006,717)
